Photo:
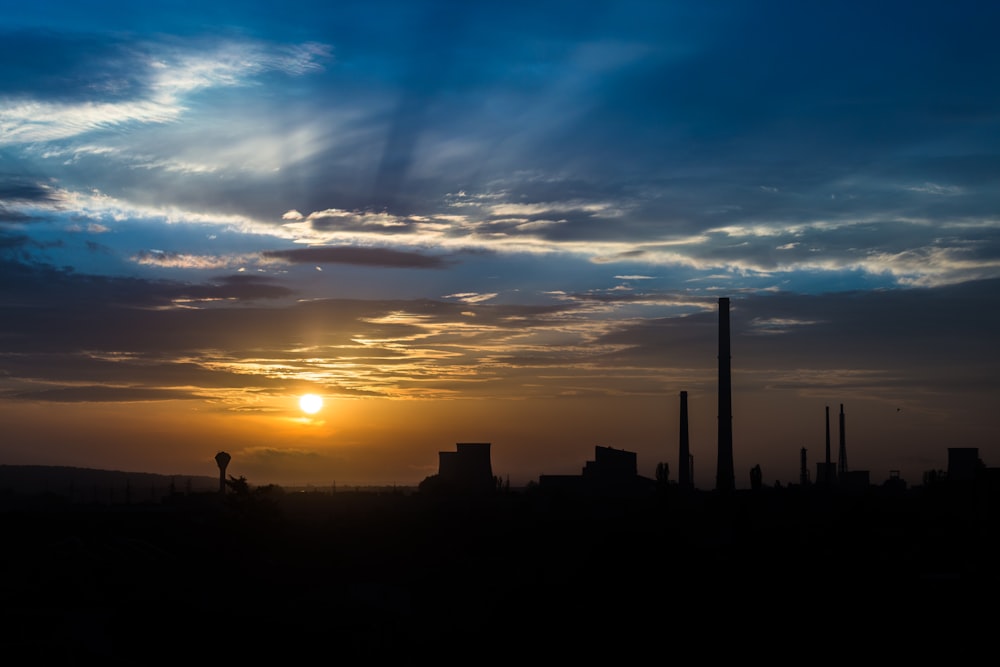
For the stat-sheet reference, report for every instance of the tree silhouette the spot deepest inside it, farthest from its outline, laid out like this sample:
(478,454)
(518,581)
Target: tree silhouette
(238,485)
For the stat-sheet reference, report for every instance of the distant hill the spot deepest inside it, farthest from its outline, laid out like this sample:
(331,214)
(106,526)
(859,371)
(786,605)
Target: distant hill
(93,485)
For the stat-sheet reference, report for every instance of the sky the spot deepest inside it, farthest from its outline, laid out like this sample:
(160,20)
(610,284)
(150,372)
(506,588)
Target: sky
(505,222)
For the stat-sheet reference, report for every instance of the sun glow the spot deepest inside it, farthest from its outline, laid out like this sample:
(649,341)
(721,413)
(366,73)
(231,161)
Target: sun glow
(311,403)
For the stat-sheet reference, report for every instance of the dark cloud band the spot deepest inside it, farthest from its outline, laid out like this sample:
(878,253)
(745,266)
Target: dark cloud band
(384,257)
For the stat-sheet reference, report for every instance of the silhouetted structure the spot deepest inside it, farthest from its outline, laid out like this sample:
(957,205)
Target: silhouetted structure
(410,568)
(963,464)
(611,464)
(803,469)
(895,482)
(468,468)
(724,475)
(849,480)
(842,457)
(828,470)
(684,472)
(856,480)
(222,459)
(825,470)
(825,474)
(612,471)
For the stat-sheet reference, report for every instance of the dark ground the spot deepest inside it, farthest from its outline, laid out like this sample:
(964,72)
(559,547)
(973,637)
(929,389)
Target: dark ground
(515,577)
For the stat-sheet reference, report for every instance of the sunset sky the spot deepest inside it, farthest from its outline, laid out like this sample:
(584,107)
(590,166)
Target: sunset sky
(506,222)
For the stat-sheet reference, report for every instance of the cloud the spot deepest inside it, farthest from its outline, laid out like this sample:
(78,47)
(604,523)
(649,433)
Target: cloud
(185,261)
(384,257)
(103,394)
(158,78)
(777,325)
(24,282)
(471,297)
(62,66)
(23,191)
(339,220)
(229,288)
(16,217)
(936,189)
(692,199)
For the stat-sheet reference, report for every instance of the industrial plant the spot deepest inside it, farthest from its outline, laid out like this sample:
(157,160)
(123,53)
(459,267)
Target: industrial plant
(615,471)
(468,567)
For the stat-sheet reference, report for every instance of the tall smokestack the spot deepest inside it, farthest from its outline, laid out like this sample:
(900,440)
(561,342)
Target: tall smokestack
(803,469)
(684,467)
(724,477)
(842,459)
(827,471)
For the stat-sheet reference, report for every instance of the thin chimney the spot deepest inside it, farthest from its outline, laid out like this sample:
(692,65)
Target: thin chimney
(724,476)
(827,471)
(684,467)
(842,459)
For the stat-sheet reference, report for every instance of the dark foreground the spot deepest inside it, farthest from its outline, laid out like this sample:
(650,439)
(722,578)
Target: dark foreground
(514,578)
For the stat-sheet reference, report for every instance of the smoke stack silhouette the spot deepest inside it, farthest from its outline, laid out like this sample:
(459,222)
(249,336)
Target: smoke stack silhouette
(684,469)
(222,459)
(842,458)
(827,470)
(725,479)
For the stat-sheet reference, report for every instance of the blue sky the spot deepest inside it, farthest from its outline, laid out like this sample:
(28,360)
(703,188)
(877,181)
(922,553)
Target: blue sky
(436,203)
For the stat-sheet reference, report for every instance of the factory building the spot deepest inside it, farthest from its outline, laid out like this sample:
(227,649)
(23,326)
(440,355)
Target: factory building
(468,469)
(612,471)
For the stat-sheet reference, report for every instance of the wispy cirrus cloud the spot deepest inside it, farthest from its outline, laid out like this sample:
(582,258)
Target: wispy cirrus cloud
(471,297)
(187,261)
(162,77)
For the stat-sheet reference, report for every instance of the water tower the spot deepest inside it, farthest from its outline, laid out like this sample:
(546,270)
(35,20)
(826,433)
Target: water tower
(222,458)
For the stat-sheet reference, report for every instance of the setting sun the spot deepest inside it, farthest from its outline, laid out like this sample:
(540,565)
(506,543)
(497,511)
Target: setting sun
(310,403)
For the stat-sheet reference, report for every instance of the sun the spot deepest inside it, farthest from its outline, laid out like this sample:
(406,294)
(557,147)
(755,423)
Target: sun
(311,403)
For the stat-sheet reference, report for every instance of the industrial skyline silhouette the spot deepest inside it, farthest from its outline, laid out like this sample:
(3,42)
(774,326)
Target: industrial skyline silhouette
(229,570)
(454,467)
